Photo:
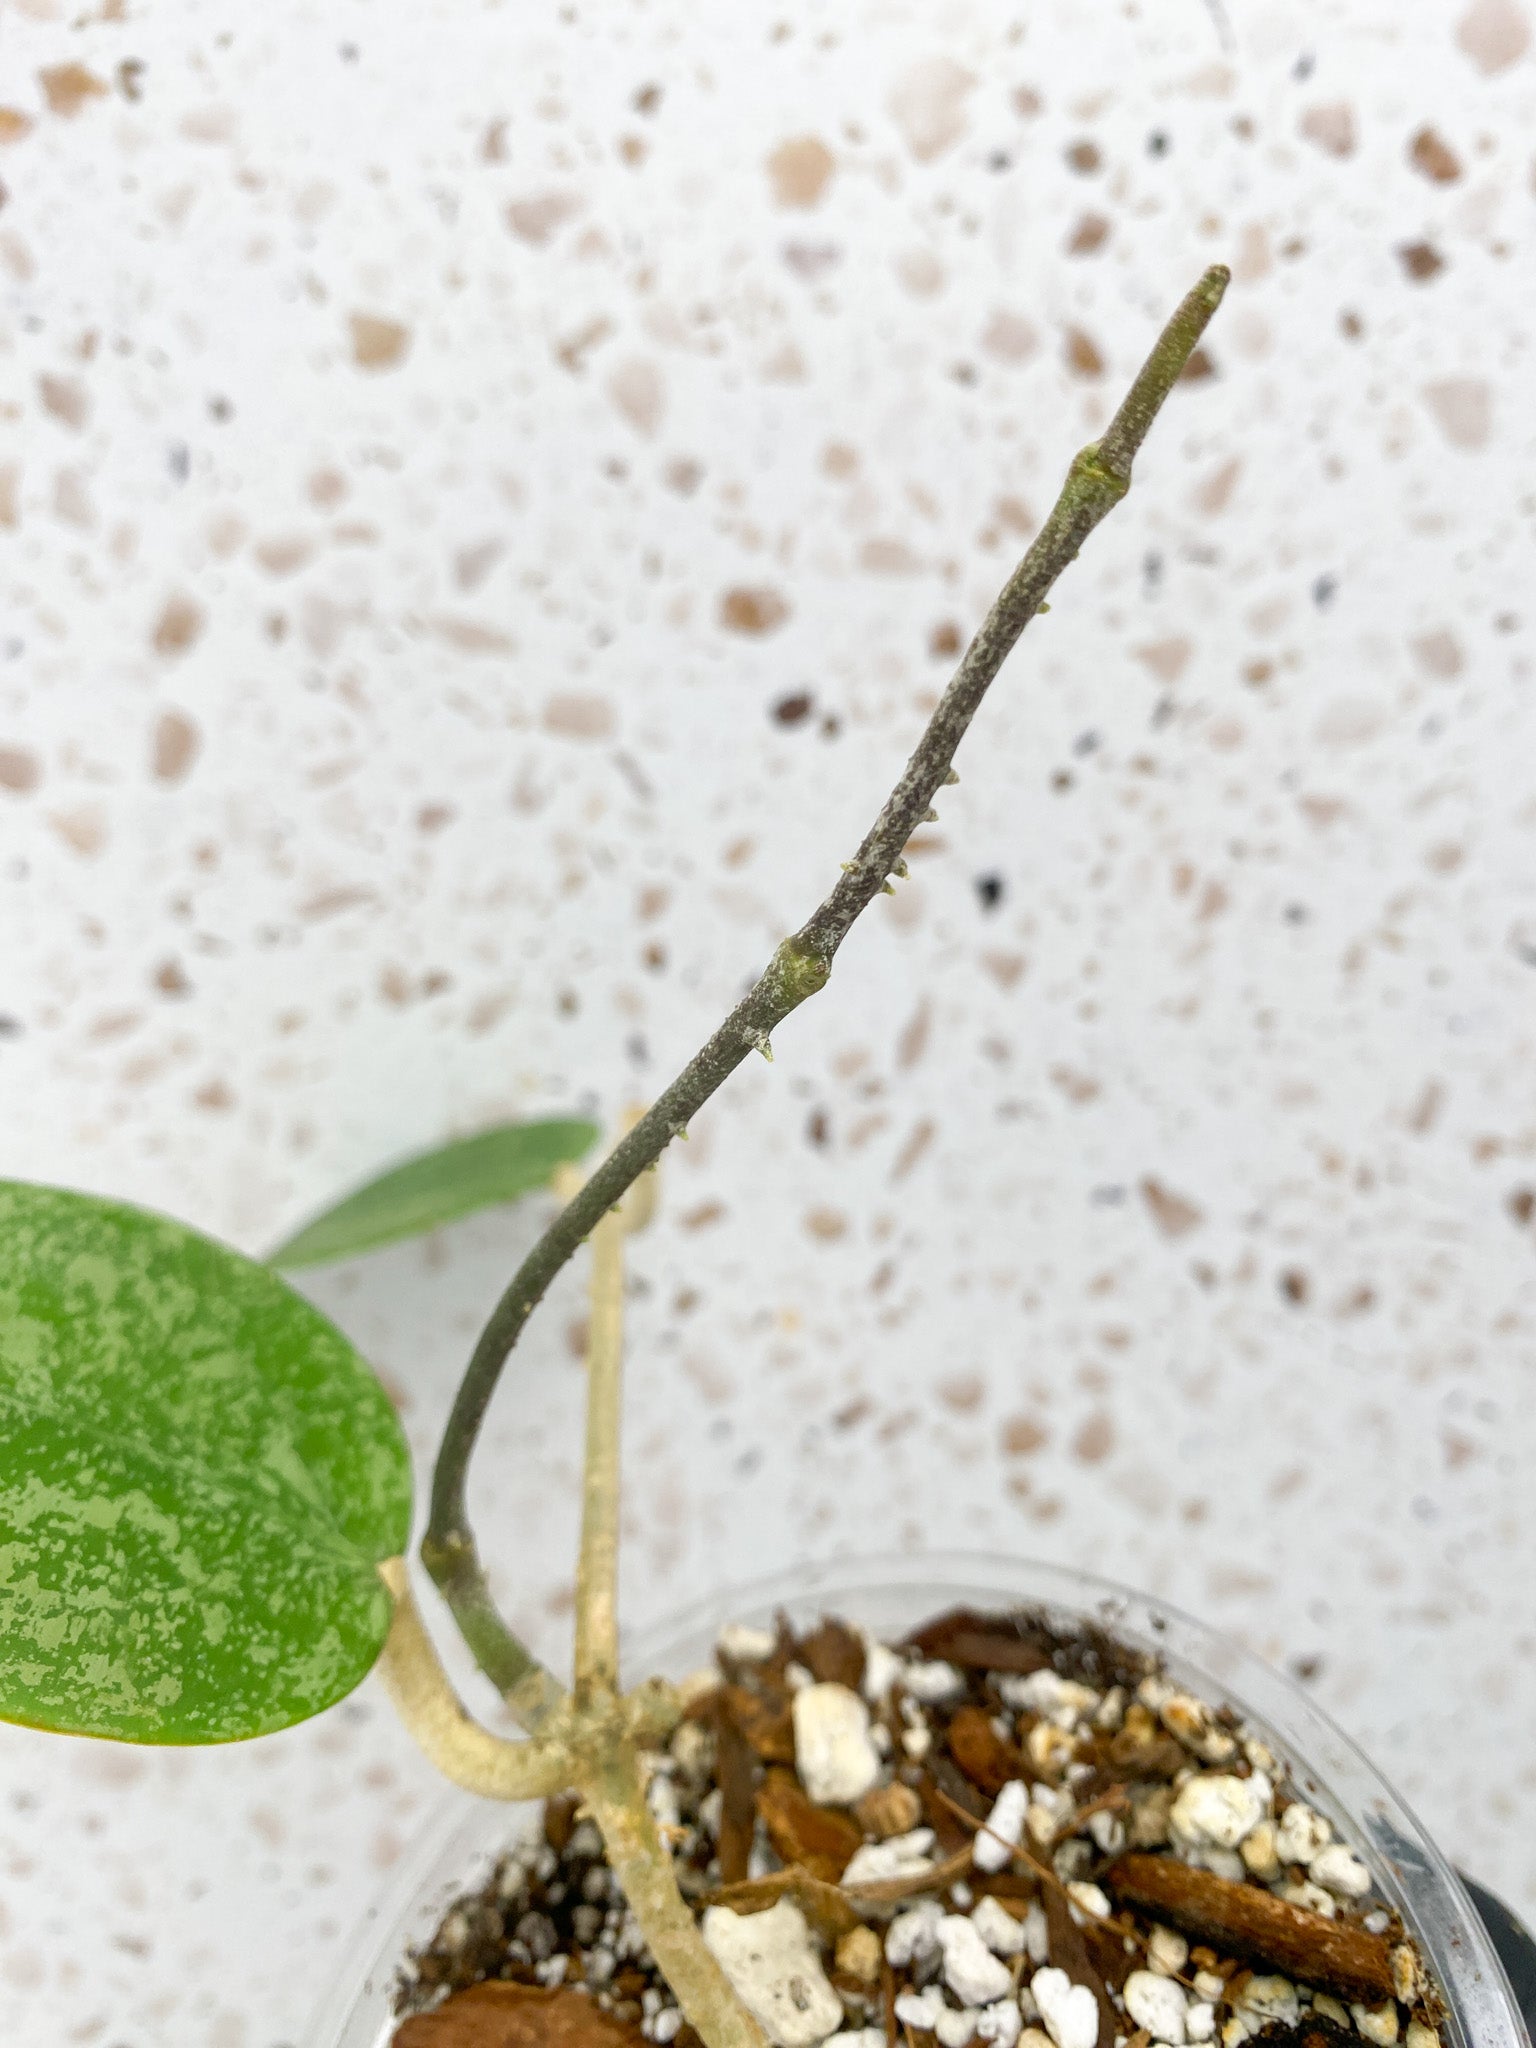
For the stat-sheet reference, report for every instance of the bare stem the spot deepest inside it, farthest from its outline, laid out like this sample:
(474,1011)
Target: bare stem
(1098,478)
(426,1702)
(594,1745)
(643,1865)
(530,1691)
(597,1618)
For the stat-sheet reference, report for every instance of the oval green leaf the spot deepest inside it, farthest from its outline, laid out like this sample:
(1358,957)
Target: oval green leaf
(438,1187)
(198,1479)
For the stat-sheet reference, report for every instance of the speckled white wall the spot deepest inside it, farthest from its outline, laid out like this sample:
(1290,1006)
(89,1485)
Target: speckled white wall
(487,494)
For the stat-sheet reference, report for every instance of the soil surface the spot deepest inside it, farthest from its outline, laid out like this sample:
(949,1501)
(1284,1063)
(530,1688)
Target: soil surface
(1002,1830)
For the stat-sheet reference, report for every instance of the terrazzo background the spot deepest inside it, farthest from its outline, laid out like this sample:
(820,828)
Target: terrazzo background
(487,494)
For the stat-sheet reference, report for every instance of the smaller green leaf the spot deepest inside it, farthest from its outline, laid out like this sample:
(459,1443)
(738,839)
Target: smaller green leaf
(438,1187)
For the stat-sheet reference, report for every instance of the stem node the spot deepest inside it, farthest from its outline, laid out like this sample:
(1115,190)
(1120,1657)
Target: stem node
(800,972)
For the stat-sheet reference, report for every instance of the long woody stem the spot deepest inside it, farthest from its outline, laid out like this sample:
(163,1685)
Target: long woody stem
(1098,478)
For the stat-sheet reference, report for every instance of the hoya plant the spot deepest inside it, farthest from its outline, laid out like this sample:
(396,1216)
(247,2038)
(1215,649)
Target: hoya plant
(205,1495)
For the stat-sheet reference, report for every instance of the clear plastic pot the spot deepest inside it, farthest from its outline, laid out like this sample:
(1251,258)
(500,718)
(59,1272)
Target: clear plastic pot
(890,1596)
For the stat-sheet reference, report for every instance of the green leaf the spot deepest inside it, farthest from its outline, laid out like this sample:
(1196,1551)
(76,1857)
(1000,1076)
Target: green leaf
(198,1479)
(437,1187)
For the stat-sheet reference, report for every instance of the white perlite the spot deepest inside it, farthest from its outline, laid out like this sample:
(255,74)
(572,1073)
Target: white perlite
(1167,1951)
(1259,1855)
(1191,1720)
(1070,2011)
(860,2037)
(836,1760)
(1341,1871)
(1312,1896)
(1301,1834)
(1108,1832)
(1269,1998)
(775,1971)
(693,1749)
(744,1644)
(1037,1933)
(1216,1811)
(1408,1979)
(1089,1899)
(913,1934)
(900,1856)
(971,1971)
(934,1682)
(956,2029)
(998,1928)
(1000,2023)
(1158,2004)
(661,1798)
(882,1667)
(1049,1807)
(1002,1828)
(921,2009)
(1200,2021)
(1378,2024)
(1043,1692)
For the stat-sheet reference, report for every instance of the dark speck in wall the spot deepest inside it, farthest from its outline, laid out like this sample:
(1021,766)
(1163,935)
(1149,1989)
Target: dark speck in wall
(990,889)
(793,709)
